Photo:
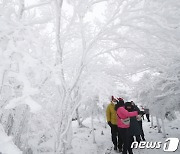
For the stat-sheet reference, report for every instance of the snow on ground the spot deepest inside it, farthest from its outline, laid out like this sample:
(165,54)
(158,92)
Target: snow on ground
(6,144)
(151,134)
(83,141)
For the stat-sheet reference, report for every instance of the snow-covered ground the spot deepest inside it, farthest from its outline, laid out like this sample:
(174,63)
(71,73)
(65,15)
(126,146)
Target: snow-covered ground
(83,142)
(6,144)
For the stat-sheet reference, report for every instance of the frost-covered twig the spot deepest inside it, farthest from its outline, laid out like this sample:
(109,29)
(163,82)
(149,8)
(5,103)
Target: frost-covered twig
(37,5)
(21,8)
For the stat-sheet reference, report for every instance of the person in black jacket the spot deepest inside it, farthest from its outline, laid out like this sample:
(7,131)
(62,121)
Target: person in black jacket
(139,119)
(146,110)
(134,129)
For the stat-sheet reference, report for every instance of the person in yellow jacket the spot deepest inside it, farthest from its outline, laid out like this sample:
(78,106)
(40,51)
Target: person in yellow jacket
(111,117)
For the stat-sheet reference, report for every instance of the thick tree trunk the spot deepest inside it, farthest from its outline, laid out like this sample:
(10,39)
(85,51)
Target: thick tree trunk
(22,127)
(163,128)
(92,127)
(158,125)
(152,122)
(63,126)
(78,118)
(104,117)
(69,137)
(9,125)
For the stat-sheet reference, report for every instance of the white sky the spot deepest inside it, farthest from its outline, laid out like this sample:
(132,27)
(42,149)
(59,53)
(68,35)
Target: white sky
(97,12)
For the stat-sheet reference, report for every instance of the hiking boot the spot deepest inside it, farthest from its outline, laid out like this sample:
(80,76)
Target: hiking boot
(120,149)
(143,139)
(115,148)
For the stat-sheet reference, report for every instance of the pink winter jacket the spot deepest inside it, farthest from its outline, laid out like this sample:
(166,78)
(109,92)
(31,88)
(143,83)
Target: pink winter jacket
(123,114)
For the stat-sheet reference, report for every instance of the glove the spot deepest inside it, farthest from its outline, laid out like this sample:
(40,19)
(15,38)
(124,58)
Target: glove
(109,123)
(142,113)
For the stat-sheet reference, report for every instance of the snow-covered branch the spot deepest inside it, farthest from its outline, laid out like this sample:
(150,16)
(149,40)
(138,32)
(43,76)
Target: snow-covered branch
(21,8)
(58,11)
(37,5)
(96,2)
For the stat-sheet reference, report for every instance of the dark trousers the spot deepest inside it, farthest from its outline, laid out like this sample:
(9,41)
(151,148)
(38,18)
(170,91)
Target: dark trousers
(116,138)
(147,116)
(142,132)
(124,133)
(138,139)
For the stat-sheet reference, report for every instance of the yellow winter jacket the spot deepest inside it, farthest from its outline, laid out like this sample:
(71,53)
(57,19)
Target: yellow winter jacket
(111,114)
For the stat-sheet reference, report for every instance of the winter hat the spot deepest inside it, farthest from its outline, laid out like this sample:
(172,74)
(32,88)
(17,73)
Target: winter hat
(113,98)
(128,104)
(120,103)
(120,98)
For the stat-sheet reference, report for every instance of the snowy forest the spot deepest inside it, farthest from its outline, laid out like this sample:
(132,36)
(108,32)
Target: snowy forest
(62,60)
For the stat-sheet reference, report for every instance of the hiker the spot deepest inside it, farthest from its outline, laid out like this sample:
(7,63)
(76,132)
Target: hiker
(139,118)
(134,129)
(124,124)
(146,110)
(112,122)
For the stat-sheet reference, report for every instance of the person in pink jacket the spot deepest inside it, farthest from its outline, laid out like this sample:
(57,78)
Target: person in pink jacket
(124,124)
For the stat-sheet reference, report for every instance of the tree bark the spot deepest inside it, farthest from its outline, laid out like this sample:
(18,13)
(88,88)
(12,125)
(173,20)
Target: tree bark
(158,125)
(152,122)
(78,118)
(92,127)
(163,128)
